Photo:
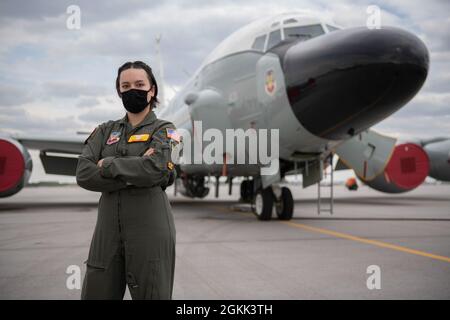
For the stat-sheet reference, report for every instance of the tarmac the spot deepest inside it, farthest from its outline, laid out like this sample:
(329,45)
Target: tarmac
(224,252)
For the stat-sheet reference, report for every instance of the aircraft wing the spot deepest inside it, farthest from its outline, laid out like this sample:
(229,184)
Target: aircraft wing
(63,145)
(58,154)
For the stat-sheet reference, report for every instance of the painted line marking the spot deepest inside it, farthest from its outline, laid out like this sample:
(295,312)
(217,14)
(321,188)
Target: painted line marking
(367,241)
(350,237)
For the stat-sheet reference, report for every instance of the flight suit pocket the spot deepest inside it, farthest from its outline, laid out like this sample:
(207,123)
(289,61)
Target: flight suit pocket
(133,285)
(94,265)
(165,148)
(153,283)
(141,148)
(160,156)
(102,249)
(109,151)
(164,163)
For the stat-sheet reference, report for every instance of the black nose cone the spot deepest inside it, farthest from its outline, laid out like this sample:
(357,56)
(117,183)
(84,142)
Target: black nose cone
(344,82)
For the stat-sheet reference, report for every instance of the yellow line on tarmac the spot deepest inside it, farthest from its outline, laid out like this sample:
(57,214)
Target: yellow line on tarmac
(367,241)
(350,237)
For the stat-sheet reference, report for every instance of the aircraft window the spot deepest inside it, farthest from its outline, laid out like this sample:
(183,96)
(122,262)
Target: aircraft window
(274,39)
(304,32)
(259,42)
(289,21)
(275,24)
(331,28)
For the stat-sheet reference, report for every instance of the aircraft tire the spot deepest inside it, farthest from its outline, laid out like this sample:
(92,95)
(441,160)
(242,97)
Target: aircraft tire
(247,191)
(285,206)
(263,204)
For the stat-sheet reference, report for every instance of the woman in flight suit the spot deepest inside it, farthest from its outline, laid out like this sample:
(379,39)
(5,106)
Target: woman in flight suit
(129,162)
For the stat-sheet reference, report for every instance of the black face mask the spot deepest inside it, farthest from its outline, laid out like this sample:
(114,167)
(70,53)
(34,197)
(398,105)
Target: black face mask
(135,100)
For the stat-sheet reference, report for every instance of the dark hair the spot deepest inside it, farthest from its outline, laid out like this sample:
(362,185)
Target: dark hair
(151,78)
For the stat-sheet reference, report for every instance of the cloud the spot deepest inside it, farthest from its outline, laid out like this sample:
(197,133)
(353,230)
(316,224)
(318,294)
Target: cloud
(425,104)
(14,96)
(56,81)
(422,127)
(92,11)
(60,89)
(20,120)
(87,102)
(98,115)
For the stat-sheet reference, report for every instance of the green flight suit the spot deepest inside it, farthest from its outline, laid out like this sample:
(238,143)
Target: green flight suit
(134,238)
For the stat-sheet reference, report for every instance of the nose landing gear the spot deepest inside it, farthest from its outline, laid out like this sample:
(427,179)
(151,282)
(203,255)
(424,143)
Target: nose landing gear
(263,203)
(284,204)
(263,200)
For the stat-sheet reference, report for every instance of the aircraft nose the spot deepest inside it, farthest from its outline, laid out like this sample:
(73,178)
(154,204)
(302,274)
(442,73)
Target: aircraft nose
(344,82)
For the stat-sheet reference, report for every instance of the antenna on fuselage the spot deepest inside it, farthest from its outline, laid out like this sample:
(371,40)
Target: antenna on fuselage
(161,71)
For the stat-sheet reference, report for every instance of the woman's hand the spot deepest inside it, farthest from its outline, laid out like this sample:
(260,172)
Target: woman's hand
(100,162)
(149,152)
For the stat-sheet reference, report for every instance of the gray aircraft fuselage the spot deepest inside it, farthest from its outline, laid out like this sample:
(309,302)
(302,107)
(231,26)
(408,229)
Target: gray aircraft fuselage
(327,89)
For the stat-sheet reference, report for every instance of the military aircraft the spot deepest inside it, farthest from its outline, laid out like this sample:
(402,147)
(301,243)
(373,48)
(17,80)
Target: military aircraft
(321,86)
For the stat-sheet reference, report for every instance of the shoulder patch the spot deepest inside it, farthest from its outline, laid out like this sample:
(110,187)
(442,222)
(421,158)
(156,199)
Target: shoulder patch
(92,133)
(173,134)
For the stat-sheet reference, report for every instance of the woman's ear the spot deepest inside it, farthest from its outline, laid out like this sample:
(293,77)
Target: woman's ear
(152,91)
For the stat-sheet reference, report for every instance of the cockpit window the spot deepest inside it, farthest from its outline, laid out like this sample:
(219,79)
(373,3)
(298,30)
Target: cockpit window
(289,21)
(331,28)
(274,39)
(303,32)
(259,42)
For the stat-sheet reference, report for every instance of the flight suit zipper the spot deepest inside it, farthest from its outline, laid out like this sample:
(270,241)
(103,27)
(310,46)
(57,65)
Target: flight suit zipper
(120,148)
(118,215)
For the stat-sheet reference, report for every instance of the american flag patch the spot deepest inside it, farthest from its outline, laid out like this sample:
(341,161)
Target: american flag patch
(173,134)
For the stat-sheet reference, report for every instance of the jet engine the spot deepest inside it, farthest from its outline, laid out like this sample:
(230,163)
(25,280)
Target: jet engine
(192,186)
(407,168)
(15,166)
(439,155)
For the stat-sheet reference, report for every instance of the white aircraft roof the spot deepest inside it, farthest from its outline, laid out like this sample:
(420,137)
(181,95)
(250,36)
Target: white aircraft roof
(244,37)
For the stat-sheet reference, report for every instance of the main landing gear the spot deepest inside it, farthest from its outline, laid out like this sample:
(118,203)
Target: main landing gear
(263,200)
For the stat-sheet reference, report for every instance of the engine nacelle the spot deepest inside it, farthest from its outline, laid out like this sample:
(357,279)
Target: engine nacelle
(439,155)
(15,166)
(407,168)
(192,186)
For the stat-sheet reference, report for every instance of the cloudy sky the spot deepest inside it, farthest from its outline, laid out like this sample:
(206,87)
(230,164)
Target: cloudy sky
(57,81)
